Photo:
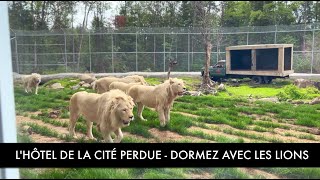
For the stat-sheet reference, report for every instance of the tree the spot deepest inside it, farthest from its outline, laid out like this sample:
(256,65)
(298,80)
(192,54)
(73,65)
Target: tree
(236,14)
(88,7)
(20,17)
(186,14)
(172,62)
(206,19)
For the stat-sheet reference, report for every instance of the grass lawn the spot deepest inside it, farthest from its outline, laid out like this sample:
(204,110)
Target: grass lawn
(235,116)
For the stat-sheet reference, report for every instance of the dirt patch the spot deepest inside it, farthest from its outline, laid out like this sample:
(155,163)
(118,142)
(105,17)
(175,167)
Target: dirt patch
(290,123)
(37,138)
(134,136)
(287,139)
(203,175)
(60,130)
(166,136)
(296,133)
(35,113)
(257,172)
(298,128)
(214,132)
(186,114)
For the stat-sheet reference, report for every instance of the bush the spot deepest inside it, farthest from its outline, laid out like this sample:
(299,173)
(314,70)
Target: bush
(291,92)
(294,93)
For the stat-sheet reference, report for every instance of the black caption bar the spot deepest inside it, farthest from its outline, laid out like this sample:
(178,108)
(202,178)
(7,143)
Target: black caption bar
(125,155)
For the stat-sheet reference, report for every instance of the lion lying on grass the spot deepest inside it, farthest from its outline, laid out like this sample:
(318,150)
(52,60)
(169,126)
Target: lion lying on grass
(31,81)
(111,111)
(160,97)
(102,85)
(122,86)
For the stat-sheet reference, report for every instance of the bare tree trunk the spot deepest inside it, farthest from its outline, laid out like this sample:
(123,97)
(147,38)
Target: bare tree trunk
(84,24)
(169,70)
(206,78)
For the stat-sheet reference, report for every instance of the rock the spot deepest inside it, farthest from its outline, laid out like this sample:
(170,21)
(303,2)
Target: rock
(297,102)
(221,87)
(82,89)
(303,83)
(314,131)
(75,87)
(73,80)
(317,85)
(81,83)
(87,78)
(234,80)
(193,93)
(271,99)
(57,86)
(27,129)
(86,85)
(315,101)
(54,114)
(187,93)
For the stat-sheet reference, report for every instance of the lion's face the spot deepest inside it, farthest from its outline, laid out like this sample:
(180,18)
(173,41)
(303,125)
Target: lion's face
(124,111)
(177,86)
(36,78)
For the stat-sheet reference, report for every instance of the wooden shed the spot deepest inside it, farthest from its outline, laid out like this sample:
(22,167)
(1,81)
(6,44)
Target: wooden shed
(262,60)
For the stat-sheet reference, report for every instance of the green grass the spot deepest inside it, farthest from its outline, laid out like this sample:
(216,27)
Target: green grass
(229,173)
(66,82)
(267,124)
(188,81)
(154,81)
(220,109)
(42,130)
(256,92)
(296,173)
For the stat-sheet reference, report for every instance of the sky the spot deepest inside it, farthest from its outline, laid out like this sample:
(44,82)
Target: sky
(109,14)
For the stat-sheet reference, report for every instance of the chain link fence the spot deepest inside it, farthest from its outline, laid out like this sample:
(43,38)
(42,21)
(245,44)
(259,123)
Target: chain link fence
(109,50)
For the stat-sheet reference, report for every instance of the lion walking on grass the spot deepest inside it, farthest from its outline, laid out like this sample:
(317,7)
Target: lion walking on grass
(111,111)
(160,97)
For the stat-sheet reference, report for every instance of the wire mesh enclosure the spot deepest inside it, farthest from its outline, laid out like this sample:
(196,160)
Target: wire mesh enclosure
(108,50)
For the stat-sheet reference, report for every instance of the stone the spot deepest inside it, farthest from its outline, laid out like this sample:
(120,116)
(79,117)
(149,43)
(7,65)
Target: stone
(57,86)
(87,85)
(75,87)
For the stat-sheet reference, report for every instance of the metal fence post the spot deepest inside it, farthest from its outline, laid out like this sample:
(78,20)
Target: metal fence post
(188,52)
(275,36)
(312,58)
(35,54)
(17,56)
(164,52)
(65,51)
(90,52)
(218,44)
(112,65)
(136,52)
(154,52)
(248,36)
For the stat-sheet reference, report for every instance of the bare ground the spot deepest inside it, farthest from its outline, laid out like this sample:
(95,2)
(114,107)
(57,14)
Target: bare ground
(214,132)
(257,172)
(63,130)
(165,136)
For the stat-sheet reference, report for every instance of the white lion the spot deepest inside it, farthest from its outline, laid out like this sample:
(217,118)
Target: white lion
(102,85)
(123,86)
(160,97)
(31,81)
(111,111)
